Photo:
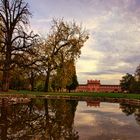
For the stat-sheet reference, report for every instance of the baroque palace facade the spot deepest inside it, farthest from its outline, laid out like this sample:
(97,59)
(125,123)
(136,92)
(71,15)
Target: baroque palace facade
(96,86)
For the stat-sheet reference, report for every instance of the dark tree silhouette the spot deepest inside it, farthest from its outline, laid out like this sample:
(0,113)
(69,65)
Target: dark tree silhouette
(126,82)
(14,40)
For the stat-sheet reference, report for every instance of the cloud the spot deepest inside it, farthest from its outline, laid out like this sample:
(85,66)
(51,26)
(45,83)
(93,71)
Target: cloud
(113,48)
(104,122)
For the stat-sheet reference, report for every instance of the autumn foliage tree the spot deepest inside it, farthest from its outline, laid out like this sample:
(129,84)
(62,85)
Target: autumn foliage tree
(63,44)
(65,77)
(72,82)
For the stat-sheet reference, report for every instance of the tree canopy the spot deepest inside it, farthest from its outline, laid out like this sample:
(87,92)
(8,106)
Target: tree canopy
(126,82)
(63,44)
(131,83)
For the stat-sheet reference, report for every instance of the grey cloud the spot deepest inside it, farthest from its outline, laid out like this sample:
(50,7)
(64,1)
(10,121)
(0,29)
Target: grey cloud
(116,36)
(106,70)
(79,8)
(96,73)
(118,47)
(133,59)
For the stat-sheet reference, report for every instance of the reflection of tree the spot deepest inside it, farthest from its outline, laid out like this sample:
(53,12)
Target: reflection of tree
(38,119)
(131,109)
(137,115)
(61,120)
(19,120)
(3,121)
(127,109)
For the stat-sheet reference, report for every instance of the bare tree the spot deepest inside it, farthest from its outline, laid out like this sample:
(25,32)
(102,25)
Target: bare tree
(14,40)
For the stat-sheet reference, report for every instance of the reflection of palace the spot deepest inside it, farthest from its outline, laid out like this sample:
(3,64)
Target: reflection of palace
(93,103)
(95,86)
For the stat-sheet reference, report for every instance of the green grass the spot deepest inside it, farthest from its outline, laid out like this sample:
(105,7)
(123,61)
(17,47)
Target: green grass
(81,94)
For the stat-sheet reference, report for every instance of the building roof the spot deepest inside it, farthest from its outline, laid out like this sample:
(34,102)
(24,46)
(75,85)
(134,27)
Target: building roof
(109,85)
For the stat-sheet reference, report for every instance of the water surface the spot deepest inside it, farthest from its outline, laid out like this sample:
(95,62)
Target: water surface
(42,119)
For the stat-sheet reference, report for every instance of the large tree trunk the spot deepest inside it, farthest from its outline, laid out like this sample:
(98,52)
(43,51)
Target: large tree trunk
(46,88)
(6,70)
(5,80)
(32,81)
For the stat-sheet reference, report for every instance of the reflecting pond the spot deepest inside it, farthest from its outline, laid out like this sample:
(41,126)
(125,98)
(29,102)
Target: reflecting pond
(42,119)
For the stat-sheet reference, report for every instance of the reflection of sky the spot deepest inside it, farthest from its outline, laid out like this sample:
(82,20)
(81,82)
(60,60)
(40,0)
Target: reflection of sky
(106,122)
(114,26)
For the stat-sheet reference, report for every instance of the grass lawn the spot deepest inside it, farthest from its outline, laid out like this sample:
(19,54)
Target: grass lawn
(83,94)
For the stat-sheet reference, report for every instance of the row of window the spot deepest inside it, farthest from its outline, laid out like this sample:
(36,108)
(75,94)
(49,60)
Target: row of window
(102,87)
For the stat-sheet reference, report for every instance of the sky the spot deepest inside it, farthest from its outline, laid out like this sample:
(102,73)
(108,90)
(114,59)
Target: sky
(113,47)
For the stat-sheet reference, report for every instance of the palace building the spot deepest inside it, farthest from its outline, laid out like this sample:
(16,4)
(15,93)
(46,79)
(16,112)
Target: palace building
(96,86)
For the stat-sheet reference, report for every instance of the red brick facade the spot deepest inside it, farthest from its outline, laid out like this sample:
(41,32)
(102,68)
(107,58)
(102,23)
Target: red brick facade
(95,86)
